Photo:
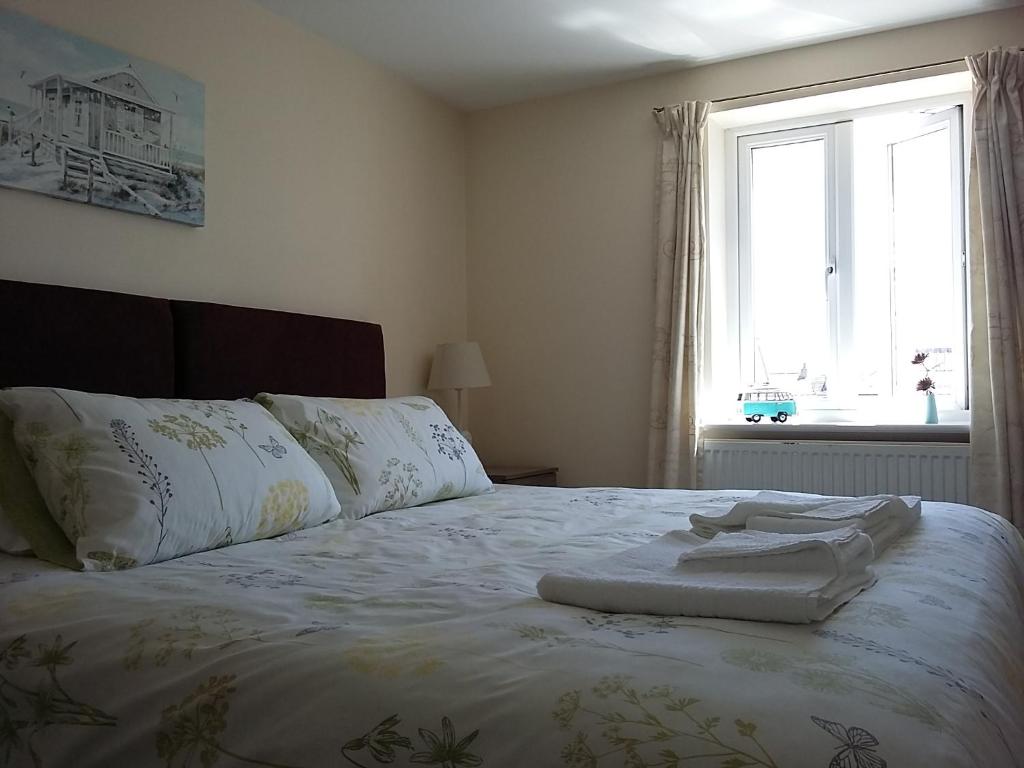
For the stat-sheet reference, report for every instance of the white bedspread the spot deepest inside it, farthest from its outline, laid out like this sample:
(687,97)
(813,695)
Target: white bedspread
(417,638)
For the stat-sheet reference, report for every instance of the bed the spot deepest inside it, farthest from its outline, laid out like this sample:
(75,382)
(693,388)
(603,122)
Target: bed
(416,636)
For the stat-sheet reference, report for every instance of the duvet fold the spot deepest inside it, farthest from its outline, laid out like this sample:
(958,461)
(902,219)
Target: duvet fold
(883,518)
(751,575)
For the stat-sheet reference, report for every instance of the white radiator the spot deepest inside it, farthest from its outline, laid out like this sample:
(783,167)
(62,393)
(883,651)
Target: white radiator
(933,471)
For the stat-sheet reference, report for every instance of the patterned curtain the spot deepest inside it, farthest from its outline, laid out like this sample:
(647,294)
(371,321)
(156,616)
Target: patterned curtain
(680,275)
(997,284)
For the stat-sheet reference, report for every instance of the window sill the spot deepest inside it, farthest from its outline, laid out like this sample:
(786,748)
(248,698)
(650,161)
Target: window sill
(901,433)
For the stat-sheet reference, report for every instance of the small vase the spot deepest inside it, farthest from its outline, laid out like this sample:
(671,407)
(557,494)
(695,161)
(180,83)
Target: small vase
(931,413)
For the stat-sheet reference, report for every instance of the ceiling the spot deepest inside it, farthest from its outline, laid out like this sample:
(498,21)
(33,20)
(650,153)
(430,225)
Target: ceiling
(484,53)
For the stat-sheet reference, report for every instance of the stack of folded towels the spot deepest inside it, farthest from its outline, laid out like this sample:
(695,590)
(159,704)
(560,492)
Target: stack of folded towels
(883,518)
(774,557)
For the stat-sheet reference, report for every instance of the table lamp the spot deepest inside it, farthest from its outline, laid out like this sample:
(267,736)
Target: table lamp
(459,365)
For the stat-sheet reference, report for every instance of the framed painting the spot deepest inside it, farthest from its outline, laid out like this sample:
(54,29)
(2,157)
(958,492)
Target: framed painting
(84,122)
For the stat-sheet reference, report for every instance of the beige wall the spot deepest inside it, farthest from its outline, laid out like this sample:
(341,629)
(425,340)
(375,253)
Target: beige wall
(560,236)
(333,187)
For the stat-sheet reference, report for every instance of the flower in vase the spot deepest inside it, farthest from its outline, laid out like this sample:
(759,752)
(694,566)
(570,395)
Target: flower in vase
(927,384)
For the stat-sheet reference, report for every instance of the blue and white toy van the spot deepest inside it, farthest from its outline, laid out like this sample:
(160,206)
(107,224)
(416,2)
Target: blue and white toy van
(776,404)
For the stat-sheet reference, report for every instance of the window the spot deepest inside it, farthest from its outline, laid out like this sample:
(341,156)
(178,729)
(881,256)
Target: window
(850,259)
(129,118)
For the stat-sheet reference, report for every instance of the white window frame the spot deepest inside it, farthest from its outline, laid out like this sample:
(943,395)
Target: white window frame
(958,189)
(736,271)
(838,246)
(129,118)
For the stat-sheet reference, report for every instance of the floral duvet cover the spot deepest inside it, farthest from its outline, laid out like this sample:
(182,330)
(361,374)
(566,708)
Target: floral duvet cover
(416,637)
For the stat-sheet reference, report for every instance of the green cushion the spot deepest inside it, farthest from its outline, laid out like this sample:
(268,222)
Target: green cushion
(25,508)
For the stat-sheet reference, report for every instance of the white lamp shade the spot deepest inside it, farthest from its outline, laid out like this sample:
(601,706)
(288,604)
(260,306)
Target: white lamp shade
(459,365)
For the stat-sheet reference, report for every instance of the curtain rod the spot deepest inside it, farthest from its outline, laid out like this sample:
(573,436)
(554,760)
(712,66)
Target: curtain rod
(832,82)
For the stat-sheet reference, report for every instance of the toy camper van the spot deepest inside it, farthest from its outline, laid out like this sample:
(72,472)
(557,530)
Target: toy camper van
(776,404)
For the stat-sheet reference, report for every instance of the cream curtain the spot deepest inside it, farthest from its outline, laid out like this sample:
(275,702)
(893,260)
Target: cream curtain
(997,284)
(680,274)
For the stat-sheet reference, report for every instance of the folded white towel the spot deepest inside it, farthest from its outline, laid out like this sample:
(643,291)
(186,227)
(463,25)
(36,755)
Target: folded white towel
(750,575)
(883,518)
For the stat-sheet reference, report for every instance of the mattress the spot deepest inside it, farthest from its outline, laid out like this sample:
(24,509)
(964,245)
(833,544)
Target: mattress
(417,637)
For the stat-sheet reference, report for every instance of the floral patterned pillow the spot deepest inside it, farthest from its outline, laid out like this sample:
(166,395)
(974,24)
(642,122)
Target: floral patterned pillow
(382,454)
(133,481)
(23,513)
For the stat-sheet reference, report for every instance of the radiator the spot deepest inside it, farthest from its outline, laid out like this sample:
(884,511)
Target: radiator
(933,471)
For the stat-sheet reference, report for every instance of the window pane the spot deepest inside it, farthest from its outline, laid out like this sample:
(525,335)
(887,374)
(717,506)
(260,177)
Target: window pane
(873,354)
(788,251)
(893,215)
(907,296)
(923,285)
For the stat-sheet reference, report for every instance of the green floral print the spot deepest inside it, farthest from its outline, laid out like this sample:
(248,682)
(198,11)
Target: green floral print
(111,561)
(66,457)
(557,639)
(654,727)
(195,727)
(451,445)
(416,406)
(381,741)
(331,437)
(27,710)
(835,675)
(401,482)
(196,436)
(156,481)
(444,749)
(286,504)
(156,641)
(413,435)
(229,419)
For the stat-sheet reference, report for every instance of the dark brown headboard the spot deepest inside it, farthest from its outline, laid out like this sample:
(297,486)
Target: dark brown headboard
(89,340)
(99,341)
(231,352)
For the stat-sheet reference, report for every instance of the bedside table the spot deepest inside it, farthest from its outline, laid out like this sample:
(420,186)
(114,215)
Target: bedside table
(523,475)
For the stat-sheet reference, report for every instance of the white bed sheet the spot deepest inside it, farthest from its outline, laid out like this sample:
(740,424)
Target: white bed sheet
(417,637)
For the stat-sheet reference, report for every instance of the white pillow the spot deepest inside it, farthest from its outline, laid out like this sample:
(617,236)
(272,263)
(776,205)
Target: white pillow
(26,527)
(382,454)
(138,481)
(12,542)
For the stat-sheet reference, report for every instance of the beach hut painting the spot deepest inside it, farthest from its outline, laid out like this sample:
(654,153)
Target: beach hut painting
(84,122)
